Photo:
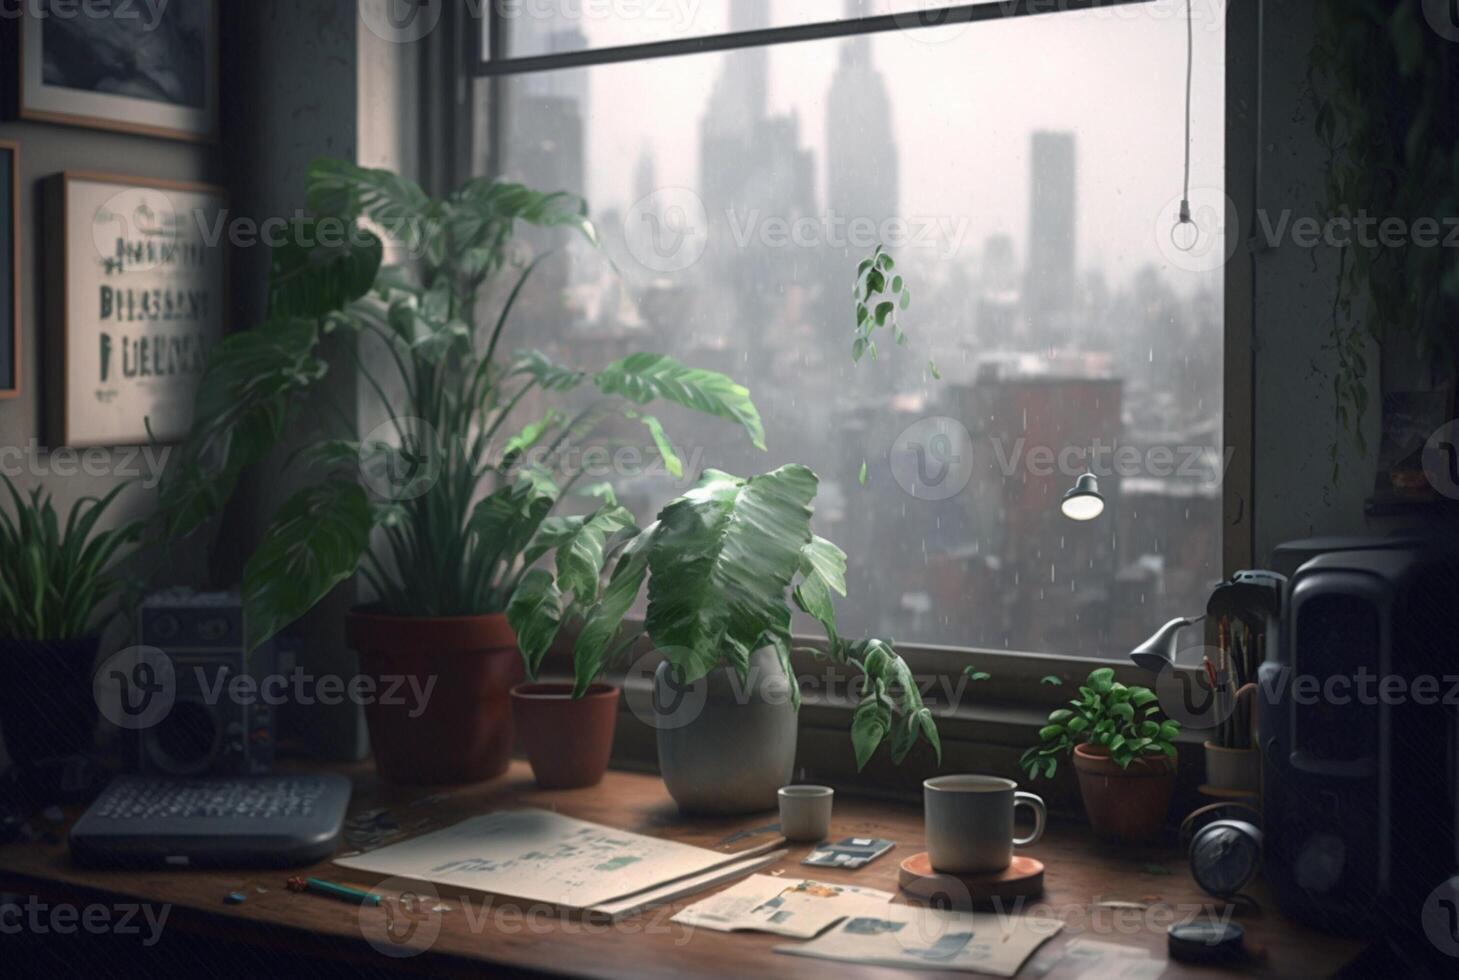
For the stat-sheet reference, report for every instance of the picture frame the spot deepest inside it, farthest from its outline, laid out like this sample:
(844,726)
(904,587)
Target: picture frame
(10,325)
(137,295)
(143,69)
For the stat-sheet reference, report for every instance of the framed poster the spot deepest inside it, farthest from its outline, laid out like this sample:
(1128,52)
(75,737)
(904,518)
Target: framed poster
(9,270)
(134,67)
(137,293)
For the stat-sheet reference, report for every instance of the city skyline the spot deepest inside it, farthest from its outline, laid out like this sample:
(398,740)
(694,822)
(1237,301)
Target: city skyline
(1041,338)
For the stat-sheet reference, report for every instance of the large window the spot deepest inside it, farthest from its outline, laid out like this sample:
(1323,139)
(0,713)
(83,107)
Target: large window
(1026,174)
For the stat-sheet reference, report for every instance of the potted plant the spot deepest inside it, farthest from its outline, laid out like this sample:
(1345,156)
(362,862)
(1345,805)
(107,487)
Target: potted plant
(436,514)
(1123,752)
(722,565)
(54,577)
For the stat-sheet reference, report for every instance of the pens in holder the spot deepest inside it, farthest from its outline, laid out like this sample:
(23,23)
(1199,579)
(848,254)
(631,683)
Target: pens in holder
(321,887)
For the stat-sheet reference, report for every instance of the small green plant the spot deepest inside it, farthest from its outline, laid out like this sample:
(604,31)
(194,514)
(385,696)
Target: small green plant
(881,294)
(723,567)
(1123,719)
(54,576)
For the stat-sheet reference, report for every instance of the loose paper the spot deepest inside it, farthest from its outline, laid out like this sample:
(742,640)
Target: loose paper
(1090,958)
(539,856)
(915,938)
(799,909)
(622,907)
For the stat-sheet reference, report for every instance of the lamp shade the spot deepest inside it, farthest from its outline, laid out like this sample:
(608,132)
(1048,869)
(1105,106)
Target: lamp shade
(1158,652)
(1083,502)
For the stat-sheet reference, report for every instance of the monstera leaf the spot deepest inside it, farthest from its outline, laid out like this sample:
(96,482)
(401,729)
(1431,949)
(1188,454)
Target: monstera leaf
(315,542)
(721,564)
(338,188)
(321,269)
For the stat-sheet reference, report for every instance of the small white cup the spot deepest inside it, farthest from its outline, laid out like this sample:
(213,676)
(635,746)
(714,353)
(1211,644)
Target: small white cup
(805,812)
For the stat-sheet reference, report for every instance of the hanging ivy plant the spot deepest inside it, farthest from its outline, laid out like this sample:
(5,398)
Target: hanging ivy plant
(1385,85)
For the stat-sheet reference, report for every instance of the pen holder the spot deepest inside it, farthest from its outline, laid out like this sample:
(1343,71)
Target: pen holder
(1233,770)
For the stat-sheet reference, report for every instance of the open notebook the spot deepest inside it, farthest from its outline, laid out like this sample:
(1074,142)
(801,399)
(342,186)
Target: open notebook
(540,856)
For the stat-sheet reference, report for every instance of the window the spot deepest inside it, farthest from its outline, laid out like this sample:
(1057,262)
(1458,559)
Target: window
(539,27)
(1025,173)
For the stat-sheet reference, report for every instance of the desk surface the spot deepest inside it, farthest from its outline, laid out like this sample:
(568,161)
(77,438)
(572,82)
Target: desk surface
(1081,874)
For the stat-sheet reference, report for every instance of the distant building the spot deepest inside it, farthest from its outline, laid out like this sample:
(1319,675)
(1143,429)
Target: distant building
(1050,284)
(546,142)
(753,170)
(861,151)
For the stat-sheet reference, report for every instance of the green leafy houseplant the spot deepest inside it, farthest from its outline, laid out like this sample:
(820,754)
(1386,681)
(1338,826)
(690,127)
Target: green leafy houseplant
(467,493)
(54,576)
(1124,720)
(1383,83)
(723,565)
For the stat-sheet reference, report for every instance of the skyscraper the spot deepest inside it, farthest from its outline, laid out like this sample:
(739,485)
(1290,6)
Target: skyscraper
(1050,282)
(545,140)
(861,151)
(752,169)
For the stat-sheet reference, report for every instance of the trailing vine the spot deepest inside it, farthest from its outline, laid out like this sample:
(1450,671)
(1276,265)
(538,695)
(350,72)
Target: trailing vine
(1385,84)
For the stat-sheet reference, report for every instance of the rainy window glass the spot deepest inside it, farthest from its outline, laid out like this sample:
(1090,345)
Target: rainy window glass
(1025,175)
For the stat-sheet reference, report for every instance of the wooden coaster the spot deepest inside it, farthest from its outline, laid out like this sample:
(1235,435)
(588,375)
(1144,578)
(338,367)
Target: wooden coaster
(1023,878)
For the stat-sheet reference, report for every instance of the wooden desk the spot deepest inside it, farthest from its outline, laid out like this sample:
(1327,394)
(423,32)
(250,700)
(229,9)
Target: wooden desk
(509,937)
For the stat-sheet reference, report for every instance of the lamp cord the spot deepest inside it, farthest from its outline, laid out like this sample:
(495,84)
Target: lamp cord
(1190,63)
(1185,195)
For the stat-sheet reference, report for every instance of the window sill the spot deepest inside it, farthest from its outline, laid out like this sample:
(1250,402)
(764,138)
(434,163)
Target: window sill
(979,734)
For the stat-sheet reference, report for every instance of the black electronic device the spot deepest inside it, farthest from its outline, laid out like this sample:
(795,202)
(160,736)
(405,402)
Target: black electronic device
(213,821)
(1360,771)
(215,725)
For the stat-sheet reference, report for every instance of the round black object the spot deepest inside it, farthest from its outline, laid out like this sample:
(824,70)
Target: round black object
(47,710)
(186,742)
(1205,942)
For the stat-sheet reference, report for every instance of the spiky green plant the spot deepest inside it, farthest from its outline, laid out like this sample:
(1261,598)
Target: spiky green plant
(449,539)
(54,577)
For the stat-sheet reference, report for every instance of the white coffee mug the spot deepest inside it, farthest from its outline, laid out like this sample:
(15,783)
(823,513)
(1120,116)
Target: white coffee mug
(970,822)
(805,812)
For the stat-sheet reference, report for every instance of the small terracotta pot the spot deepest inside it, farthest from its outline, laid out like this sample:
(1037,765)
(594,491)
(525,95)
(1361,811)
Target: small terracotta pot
(568,740)
(468,664)
(1125,805)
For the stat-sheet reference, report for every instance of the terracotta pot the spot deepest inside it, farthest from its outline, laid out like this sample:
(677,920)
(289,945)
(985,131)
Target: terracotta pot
(568,740)
(466,665)
(1126,805)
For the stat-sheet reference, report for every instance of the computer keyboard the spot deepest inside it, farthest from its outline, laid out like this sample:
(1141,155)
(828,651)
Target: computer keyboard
(148,799)
(241,821)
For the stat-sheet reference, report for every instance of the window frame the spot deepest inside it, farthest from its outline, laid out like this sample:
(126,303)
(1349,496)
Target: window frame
(989,728)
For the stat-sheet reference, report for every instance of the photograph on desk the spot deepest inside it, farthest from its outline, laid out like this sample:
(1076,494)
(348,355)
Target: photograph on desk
(628,490)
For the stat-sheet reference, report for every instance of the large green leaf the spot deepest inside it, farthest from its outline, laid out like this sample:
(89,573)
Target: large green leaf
(722,561)
(340,189)
(641,378)
(536,365)
(315,542)
(506,520)
(823,570)
(309,278)
(579,543)
(602,622)
(535,615)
